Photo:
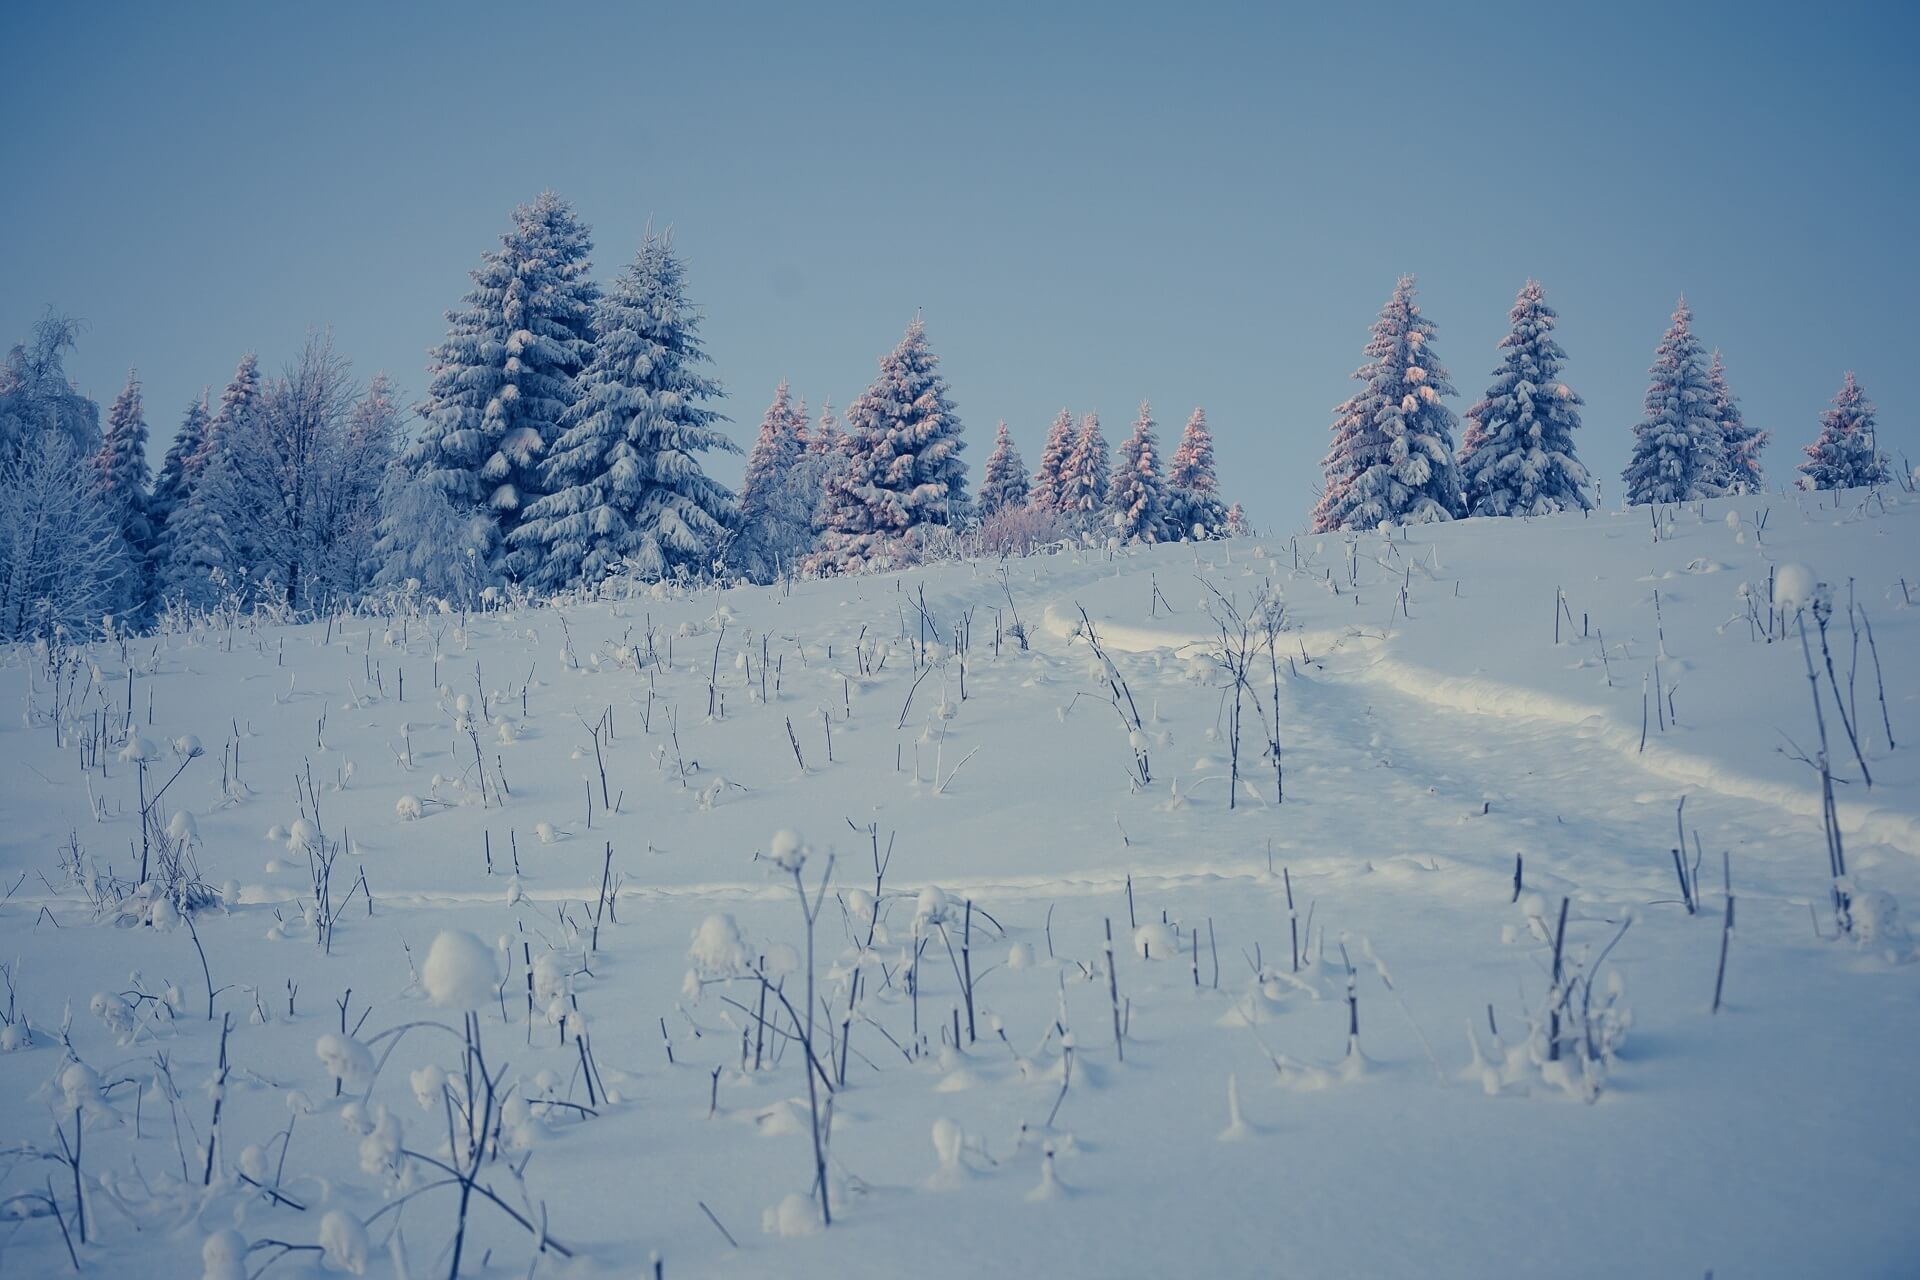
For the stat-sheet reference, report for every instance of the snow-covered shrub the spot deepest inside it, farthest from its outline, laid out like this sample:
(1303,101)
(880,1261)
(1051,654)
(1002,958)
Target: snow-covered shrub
(461,971)
(1019,531)
(347,1060)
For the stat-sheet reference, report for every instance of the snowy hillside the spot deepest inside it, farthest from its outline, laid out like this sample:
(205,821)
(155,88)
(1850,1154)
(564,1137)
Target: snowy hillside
(1486,730)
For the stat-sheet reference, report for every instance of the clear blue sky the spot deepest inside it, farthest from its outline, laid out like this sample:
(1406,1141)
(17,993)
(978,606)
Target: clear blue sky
(1092,203)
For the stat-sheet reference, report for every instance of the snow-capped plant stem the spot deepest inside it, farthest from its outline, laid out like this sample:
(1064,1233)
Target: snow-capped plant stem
(1293,916)
(207,973)
(1687,895)
(219,1097)
(1829,812)
(1726,927)
(1822,614)
(1879,684)
(1557,998)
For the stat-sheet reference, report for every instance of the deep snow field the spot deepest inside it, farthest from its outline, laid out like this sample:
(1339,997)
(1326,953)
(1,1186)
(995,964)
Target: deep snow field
(1440,714)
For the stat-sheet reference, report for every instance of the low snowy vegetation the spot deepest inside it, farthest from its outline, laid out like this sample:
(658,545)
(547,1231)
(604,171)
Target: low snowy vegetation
(658,930)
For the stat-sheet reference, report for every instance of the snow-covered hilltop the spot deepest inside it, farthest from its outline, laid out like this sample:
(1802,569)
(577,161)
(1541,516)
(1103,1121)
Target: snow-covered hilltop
(634,924)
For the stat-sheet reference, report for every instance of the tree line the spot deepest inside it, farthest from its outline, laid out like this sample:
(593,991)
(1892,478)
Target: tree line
(562,434)
(1393,458)
(560,441)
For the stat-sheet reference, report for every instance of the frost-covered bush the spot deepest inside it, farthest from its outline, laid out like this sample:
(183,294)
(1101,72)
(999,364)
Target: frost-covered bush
(1019,531)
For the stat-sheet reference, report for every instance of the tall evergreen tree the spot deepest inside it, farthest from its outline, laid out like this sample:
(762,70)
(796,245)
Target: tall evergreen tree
(800,424)
(1845,455)
(827,452)
(504,377)
(1083,476)
(196,543)
(238,402)
(1005,483)
(1194,491)
(1739,470)
(827,438)
(1392,454)
(1517,456)
(120,474)
(1048,491)
(170,486)
(1136,494)
(196,540)
(775,523)
(624,478)
(1678,454)
(904,474)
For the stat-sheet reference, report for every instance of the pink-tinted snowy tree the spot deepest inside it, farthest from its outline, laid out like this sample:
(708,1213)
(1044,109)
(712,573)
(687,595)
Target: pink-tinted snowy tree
(1005,482)
(1083,477)
(1193,498)
(1048,490)
(1136,495)
(1845,455)
(904,474)
(1392,455)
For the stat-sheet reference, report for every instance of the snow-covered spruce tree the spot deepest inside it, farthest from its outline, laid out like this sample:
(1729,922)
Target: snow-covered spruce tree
(237,403)
(825,454)
(196,540)
(63,555)
(827,439)
(1516,458)
(1136,494)
(1048,490)
(503,378)
(1844,455)
(170,486)
(775,525)
(1677,450)
(626,488)
(120,474)
(1237,525)
(1392,455)
(1740,470)
(904,474)
(1193,497)
(1083,476)
(1005,482)
(195,544)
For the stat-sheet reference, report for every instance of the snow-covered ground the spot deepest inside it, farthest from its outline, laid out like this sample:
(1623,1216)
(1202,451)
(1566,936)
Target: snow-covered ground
(1436,722)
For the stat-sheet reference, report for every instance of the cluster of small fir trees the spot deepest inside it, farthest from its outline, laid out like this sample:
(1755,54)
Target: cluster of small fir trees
(1142,496)
(1393,459)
